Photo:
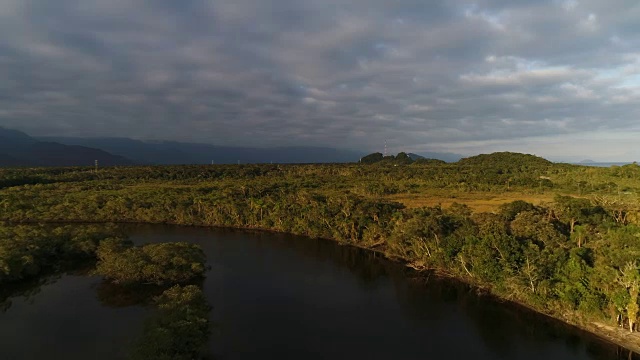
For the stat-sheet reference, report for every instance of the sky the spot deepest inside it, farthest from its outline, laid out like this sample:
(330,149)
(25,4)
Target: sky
(557,78)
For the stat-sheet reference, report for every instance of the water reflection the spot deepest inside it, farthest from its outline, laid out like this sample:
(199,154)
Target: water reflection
(119,296)
(488,314)
(281,296)
(294,275)
(43,315)
(27,290)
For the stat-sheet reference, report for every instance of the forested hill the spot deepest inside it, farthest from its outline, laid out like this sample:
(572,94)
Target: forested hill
(505,159)
(399,159)
(19,149)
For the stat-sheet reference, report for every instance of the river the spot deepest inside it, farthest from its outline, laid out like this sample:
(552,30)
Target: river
(278,296)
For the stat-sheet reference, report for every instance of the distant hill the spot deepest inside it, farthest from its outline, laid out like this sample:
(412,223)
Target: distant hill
(19,149)
(6,160)
(505,159)
(418,159)
(400,159)
(10,139)
(170,152)
(602,164)
(425,161)
(448,157)
(51,153)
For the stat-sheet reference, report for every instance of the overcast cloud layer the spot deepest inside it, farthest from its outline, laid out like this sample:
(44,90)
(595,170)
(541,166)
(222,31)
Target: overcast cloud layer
(557,78)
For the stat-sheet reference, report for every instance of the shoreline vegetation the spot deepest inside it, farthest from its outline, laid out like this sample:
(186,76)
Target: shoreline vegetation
(573,256)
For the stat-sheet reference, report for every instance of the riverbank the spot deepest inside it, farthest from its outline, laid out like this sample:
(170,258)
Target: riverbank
(614,335)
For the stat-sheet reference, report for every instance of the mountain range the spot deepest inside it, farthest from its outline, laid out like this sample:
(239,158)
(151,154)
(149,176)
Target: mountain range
(20,149)
(171,152)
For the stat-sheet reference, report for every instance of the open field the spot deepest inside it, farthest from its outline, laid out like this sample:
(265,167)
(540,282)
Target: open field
(477,201)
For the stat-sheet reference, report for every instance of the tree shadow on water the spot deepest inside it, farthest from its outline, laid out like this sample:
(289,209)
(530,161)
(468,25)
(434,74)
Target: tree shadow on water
(25,289)
(506,330)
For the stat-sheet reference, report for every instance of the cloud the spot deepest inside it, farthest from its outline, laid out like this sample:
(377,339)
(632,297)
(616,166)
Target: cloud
(423,75)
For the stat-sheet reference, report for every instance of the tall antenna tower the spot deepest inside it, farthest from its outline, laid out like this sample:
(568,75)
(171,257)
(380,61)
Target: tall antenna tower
(385,148)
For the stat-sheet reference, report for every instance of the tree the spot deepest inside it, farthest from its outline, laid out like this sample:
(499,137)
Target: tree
(577,211)
(512,209)
(630,279)
(573,277)
(579,235)
(537,228)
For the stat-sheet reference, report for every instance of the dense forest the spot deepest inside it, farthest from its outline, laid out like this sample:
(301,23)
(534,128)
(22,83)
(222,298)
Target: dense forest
(559,238)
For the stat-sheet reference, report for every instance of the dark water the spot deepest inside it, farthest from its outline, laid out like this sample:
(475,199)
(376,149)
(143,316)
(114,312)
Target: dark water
(285,297)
